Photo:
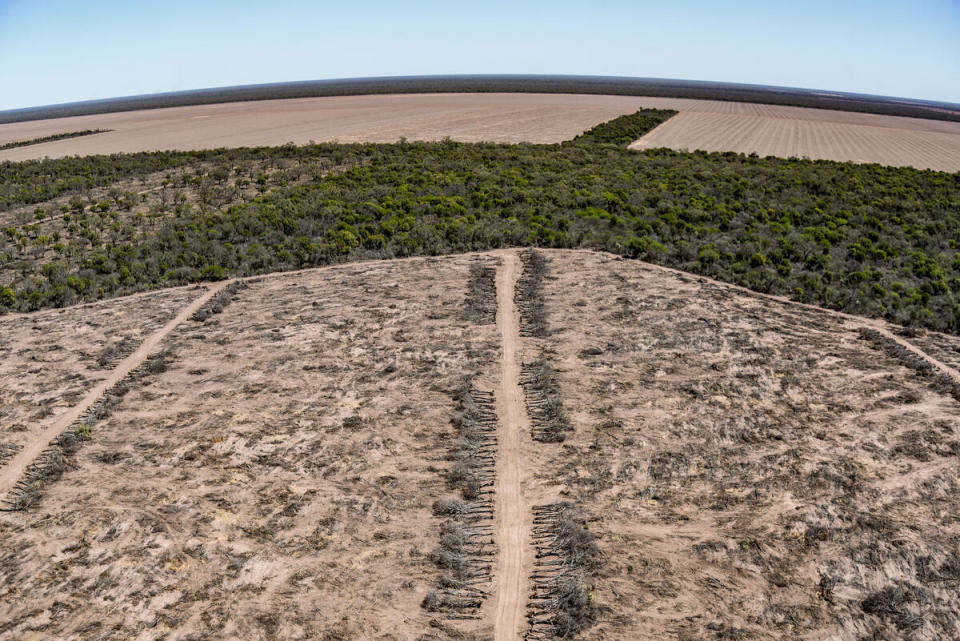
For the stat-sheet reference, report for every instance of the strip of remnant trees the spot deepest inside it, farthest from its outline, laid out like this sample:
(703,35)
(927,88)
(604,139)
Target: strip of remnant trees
(466,550)
(481,304)
(529,295)
(54,460)
(567,557)
(940,382)
(37,141)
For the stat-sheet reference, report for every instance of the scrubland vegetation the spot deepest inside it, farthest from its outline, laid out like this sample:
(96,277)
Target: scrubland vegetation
(866,239)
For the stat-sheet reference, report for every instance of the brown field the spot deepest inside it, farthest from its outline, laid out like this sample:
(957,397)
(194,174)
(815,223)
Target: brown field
(748,468)
(887,140)
(507,118)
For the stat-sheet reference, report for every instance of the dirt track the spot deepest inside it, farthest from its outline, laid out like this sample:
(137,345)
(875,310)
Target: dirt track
(512,522)
(15,468)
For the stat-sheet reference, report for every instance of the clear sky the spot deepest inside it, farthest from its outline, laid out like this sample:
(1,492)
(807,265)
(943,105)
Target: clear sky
(55,51)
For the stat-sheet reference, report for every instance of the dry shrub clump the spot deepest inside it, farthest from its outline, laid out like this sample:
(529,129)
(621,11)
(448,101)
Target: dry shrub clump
(465,552)
(544,402)
(529,295)
(562,605)
(481,303)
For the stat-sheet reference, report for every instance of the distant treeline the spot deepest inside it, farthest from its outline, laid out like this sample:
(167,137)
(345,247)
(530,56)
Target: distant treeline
(866,239)
(37,141)
(608,85)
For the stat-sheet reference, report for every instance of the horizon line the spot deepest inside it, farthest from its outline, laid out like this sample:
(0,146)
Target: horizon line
(493,83)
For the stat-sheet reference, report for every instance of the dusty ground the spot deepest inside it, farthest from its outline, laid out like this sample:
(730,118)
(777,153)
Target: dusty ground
(758,471)
(538,118)
(752,468)
(274,482)
(48,360)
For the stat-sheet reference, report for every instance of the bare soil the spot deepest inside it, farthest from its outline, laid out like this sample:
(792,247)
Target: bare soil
(759,470)
(509,118)
(751,468)
(821,135)
(275,482)
(49,360)
(514,518)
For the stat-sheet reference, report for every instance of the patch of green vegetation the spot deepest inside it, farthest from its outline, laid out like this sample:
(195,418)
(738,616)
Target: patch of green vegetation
(625,129)
(866,239)
(37,141)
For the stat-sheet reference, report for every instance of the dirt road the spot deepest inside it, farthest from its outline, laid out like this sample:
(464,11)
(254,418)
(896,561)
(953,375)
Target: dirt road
(16,466)
(512,523)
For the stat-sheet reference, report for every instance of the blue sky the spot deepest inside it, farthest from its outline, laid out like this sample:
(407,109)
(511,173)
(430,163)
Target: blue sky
(55,51)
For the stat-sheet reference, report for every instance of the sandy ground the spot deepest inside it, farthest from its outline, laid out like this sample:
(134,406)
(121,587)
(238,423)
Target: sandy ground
(514,518)
(539,118)
(275,482)
(760,472)
(754,469)
(51,359)
(13,469)
(467,117)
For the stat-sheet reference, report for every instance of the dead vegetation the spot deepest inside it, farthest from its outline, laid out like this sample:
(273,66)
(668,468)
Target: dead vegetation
(941,382)
(481,302)
(7,450)
(51,359)
(741,469)
(529,295)
(465,553)
(290,455)
(549,421)
(218,302)
(55,459)
(561,604)
(759,471)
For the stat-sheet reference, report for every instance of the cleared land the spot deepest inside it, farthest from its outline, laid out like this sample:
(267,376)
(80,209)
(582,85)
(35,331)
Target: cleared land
(759,471)
(508,118)
(746,467)
(863,138)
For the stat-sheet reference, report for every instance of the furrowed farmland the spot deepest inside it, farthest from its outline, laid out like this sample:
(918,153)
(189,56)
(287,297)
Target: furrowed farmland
(710,125)
(462,391)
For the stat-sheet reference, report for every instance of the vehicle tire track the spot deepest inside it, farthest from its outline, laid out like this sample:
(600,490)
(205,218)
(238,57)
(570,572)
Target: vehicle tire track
(17,466)
(512,523)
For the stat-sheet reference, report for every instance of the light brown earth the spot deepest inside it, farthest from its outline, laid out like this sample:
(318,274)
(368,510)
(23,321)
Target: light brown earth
(276,481)
(823,135)
(757,471)
(49,360)
(505,118)
(13,469)
(538,118)
(514,519)
(753,469)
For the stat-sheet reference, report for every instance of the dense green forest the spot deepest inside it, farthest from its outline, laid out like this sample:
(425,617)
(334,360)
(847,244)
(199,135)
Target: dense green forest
(867,239)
